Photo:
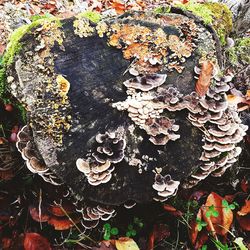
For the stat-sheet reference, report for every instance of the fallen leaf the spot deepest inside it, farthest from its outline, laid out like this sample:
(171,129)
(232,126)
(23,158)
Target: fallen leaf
(169,208)
(222,223)
(39,216)
(172,210)
(245,209)
(243,216)
(244,222)
(193,232)
(60,223)
(119,7)
(160,232)
(125,243)
(197,195)
(204,80)
(34,241)
(245,185)
(201,240)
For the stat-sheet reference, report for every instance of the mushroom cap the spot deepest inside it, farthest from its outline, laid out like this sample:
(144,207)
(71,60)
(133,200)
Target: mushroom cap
(147,82)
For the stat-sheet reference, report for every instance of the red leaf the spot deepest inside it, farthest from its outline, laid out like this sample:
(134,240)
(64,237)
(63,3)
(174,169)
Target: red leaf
(204,80)
(58,211)
(201,239)
(169,208)
(172,210)
(193,232)
(245,210)
(160,232)
(119,7)
(244,222)
(221,224)
(197,195)
(42,217)
(245,185)
(60,223)
(34,241)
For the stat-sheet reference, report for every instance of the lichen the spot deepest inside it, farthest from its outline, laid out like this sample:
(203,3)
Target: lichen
(82,26)
(240,51)
(216,14)
(153,49)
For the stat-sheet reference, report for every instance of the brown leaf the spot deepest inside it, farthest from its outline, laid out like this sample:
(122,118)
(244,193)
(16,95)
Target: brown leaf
(245,185)
(201,240)
(160,232)
(105,245)
(193,232)
(169,208)
(245,209)
(244,222)
(38,216)
(221,224)
(204,80)
(58,211)
(60,223)
(172,210)
(119,7)
(34,241)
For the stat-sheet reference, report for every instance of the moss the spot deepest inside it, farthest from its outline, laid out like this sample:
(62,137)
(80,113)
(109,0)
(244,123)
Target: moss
(240,52)
(15,45)
(216,14)
(162,9)
(93,16)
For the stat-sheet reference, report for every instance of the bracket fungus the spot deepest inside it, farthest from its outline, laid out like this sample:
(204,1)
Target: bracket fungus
(32,157)
(116,100)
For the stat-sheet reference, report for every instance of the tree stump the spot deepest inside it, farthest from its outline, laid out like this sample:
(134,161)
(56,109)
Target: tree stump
(122,110)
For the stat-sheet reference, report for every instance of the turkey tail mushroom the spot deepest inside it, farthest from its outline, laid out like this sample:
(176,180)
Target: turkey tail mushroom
(32,157)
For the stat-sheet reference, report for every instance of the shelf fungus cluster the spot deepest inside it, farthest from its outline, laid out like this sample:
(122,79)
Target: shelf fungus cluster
(165,187)
(33,159)
(223,130)
(92,215)
(98,167)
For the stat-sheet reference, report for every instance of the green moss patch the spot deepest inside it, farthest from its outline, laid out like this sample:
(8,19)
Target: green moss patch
(216,14)
(93,16)
(13,48)
(162,9)
(240,52)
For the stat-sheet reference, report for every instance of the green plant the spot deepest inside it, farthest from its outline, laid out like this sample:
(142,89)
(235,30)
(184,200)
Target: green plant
(212,212)
(228,206)
(109,231)
(200,224)
(239,242)
(220,245)
(138,222)
(204,247)
(131,231)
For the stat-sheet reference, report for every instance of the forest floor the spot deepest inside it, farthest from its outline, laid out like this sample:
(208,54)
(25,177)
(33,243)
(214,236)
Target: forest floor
(213,215)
